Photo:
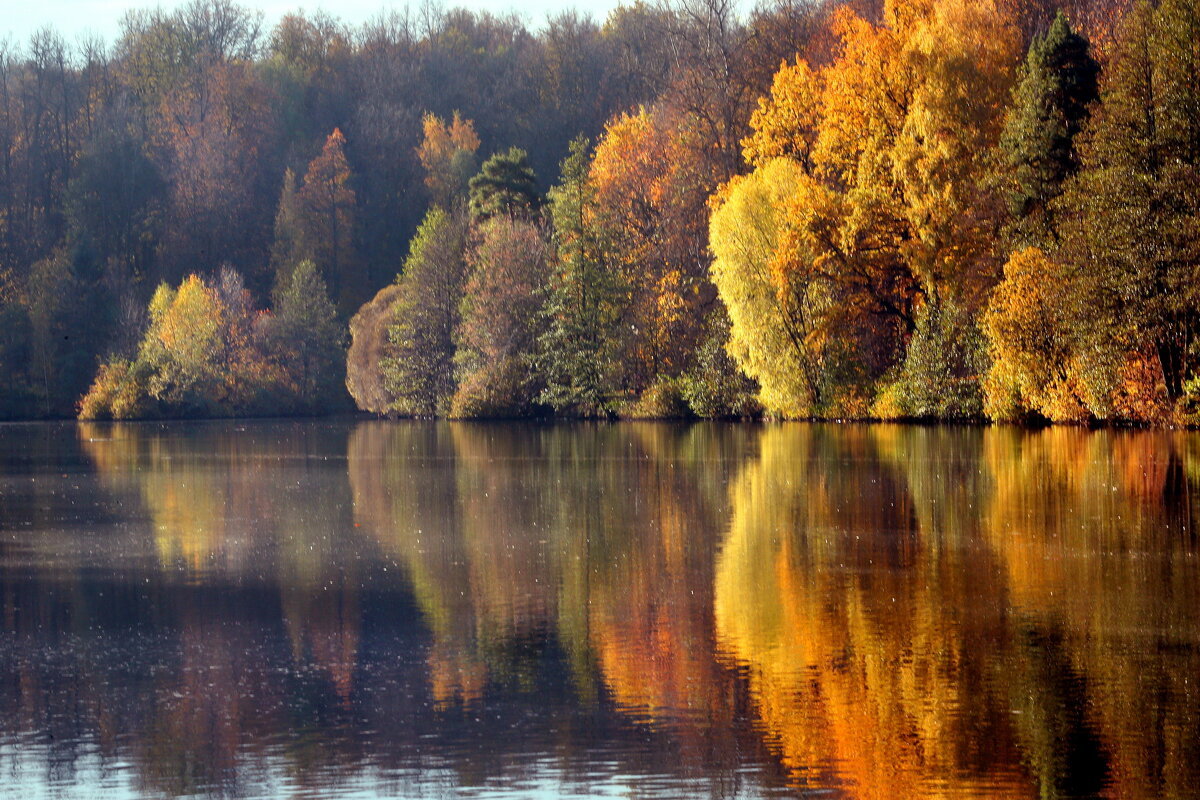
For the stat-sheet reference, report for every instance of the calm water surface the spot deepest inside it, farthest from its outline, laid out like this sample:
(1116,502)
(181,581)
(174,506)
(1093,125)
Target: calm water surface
(360,609)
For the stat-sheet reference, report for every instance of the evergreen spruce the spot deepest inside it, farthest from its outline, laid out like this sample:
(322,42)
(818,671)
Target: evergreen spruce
(505,185)
(1051,102)
(1136,198)
(578,360)
(309,334)
(287,249)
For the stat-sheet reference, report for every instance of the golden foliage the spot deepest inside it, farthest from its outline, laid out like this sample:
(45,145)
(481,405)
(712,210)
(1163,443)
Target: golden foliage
(891,213)
(650,195)
(447,154)
(785,125)
(1029,339)
(774,332)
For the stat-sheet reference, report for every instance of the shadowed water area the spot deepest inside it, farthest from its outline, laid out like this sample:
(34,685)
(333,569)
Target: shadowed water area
(262,609)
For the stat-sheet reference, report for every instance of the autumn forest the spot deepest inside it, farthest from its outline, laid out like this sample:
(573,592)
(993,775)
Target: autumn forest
(907,209)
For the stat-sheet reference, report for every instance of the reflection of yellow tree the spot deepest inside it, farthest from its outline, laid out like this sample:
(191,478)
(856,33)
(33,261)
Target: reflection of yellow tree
(192,486)
(895,594)
(1095,534)
(234,499)
(857,614)
(226,498)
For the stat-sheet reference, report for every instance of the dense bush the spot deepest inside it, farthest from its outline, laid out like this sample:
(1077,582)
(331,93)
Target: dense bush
(714,387)
(943,368)
(368,347)
(207,352)
(663,400)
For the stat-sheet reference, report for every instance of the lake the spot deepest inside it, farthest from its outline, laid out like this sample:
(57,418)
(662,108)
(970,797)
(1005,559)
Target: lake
(359,609)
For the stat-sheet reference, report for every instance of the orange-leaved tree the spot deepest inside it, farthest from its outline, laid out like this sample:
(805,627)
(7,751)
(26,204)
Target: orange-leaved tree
(326,210)
(650,196)
(891,138)
(447,153)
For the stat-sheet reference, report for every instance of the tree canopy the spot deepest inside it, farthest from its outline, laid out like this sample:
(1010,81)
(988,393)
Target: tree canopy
(899,208)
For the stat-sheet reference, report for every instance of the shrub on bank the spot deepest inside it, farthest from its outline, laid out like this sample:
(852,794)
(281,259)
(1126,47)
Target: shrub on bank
(207,352)
(663,400)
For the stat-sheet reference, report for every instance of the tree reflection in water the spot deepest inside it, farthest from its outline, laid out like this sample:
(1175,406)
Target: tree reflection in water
(664,610)
(940,611)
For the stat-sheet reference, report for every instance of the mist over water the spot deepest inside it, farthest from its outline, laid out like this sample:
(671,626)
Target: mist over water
(339,608)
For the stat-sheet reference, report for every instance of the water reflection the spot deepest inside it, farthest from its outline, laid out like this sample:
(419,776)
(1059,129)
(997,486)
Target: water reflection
(1095,533)
(928,612)
(650,610)
(592,545)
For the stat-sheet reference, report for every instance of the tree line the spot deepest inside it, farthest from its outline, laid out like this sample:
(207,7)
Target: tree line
(899,209)
(938,224)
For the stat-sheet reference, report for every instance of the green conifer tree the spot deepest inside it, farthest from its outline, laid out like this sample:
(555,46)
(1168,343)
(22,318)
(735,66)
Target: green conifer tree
(311,340)
(505,185)
(578,351)
(288,249)
(1134,242)
(419,368)
(1037,153)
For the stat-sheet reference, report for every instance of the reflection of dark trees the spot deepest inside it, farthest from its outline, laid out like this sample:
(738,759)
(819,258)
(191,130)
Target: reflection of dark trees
(92,661)
(1095,532)
(242,618)
(590,545)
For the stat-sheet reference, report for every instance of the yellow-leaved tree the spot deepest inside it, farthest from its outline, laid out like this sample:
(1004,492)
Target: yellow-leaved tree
(774,327)
(447,153)
(1030,343)
(895,220)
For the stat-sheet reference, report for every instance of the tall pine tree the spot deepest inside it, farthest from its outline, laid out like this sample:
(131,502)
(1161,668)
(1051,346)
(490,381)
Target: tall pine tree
(578,351)
(1137,196)
(1037,153)
(287,251)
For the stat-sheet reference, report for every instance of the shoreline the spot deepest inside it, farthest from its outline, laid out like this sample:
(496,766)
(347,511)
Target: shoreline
(547,421)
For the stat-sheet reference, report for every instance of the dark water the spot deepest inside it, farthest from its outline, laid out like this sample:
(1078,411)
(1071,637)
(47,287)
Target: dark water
(319,609)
